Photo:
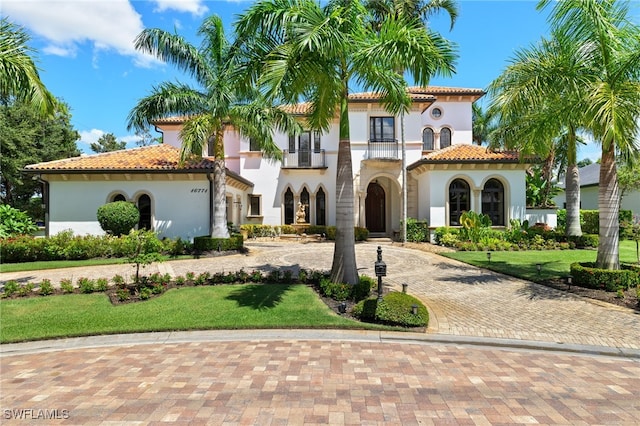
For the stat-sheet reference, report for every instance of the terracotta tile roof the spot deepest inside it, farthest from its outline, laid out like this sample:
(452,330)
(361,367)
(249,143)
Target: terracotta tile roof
(467,154)
(150,158)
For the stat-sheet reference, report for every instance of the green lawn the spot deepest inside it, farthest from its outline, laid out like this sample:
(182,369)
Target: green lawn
(522,264)
(190,308)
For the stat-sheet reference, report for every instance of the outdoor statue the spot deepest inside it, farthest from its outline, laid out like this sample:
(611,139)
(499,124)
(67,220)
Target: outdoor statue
(300,214)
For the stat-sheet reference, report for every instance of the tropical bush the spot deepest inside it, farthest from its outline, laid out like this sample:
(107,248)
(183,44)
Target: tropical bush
(118,218)
(474,226)
(14,222)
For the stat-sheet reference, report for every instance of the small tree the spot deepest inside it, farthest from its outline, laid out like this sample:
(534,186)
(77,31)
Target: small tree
(108,143)
(118,218)
(144,248)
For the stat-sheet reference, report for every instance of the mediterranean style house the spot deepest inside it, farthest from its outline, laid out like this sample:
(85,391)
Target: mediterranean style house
(446,174)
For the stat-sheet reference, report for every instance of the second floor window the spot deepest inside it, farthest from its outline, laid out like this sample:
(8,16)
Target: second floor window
(382,129)
(305,141)
(254,145)
(445,137)
(427,139)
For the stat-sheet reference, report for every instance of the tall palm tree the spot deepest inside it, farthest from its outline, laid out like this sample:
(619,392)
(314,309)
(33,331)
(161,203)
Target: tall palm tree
(612,106)
(303,50)
(19,77)
(410,10)
(536,97)
(217,105)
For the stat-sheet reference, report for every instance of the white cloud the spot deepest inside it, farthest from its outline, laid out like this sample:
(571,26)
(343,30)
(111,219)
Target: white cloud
(195,7)
(107,25)
(87,137)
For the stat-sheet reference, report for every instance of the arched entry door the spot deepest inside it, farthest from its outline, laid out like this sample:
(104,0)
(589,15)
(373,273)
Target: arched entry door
(375,208)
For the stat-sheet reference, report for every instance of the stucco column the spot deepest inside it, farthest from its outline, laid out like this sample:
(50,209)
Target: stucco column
(361,209)
(476,201)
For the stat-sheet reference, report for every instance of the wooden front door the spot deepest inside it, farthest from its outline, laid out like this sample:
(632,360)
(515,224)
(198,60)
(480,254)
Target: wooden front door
(375,208)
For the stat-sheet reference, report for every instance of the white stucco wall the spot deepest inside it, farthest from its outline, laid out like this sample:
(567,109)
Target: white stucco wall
(176,210)
(433,192)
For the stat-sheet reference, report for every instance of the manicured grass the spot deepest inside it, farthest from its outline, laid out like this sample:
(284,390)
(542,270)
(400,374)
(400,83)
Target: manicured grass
(522,264)
(191,308)
(58,264)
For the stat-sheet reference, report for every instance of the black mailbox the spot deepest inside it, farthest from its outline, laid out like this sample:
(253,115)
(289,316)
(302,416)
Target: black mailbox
(380,267)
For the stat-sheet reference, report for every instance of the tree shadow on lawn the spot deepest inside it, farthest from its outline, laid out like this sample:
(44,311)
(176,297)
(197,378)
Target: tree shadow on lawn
(259,296)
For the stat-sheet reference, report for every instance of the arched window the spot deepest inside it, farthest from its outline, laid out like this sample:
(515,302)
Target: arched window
(459,200)
(144,205)
(445,137)
(118,197)
(304,199)
(321,208)
(427,139)
(493,201)
(288,207)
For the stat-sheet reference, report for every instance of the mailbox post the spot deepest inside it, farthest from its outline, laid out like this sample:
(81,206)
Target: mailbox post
(381,271)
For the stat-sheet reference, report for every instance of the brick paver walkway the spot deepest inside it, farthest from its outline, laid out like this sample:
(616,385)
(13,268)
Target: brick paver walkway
(297,377)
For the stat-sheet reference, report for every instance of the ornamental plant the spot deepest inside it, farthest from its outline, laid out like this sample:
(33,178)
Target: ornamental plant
(14,222)
(118,218)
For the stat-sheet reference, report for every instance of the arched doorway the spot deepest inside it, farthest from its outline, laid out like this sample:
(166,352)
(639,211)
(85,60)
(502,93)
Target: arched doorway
(375,208)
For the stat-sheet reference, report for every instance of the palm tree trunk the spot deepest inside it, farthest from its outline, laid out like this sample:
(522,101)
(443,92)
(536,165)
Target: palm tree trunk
(609,206)
(220,229)
(572,188)
(344,267)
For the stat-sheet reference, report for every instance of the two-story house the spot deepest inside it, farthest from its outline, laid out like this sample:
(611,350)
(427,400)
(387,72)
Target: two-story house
(446,174)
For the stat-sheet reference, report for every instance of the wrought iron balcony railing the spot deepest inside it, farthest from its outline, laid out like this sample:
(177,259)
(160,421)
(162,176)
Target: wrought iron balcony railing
(304,159)
(383,149)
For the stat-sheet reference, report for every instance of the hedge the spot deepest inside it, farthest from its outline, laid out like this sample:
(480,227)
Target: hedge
(207,243)
(587,275)
(590,219)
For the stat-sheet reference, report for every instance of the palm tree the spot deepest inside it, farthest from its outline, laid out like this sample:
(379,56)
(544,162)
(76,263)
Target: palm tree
(612,106)
(410,10)
(303,50)
(19,76)
(483,124)
(536,98)
(219,104)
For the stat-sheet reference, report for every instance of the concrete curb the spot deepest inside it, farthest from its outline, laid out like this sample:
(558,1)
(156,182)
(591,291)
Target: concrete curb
(182,337)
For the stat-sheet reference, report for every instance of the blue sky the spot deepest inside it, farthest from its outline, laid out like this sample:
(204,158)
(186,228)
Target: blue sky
(86,54)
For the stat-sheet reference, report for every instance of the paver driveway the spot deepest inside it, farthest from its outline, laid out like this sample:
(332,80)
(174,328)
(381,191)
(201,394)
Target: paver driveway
(464,300)
(272,377)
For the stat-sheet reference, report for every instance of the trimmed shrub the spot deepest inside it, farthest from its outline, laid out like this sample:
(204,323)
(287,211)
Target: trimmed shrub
(362,290)
(590,220)
(417,230)
(207,243)
(394,309)
(118,218)
(443,231)
(46,288)
(587,275)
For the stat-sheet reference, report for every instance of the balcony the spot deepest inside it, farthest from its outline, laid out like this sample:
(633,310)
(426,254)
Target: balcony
(304,159)
(383,149)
